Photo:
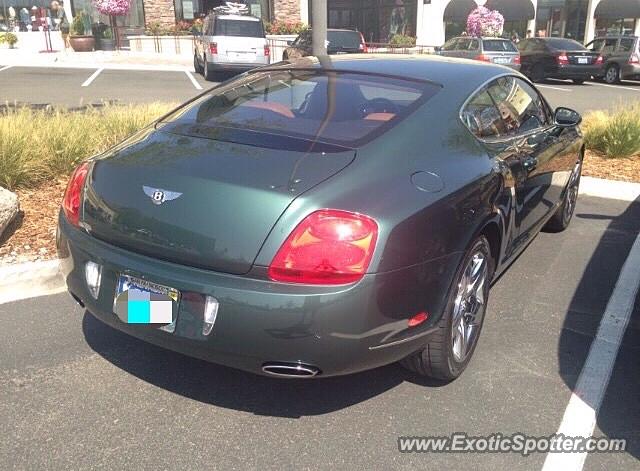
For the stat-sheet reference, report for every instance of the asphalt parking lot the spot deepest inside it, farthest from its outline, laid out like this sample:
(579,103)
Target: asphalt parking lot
(72,87)
(76,394)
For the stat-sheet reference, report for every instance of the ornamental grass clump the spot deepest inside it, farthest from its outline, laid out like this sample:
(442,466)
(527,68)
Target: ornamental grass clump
(37,146)
(614,134)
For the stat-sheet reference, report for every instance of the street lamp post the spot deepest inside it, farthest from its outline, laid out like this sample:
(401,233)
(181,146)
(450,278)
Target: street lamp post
(319,27)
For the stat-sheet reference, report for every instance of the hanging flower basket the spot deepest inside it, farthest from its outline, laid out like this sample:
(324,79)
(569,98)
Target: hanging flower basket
(485,22)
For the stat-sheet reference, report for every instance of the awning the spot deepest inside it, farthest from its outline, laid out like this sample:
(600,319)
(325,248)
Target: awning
(512,10)
(616,9)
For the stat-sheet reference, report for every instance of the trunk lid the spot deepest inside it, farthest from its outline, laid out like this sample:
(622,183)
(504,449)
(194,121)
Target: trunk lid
(198,201)
(582,57)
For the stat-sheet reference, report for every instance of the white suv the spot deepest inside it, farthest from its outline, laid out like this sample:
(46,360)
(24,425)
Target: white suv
(230,42)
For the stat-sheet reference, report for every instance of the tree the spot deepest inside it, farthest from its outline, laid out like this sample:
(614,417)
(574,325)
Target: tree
(485,22)
(113,8)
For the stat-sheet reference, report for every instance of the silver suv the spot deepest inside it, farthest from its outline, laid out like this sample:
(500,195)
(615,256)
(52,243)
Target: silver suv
(621,56)
(496,50)
(230,42)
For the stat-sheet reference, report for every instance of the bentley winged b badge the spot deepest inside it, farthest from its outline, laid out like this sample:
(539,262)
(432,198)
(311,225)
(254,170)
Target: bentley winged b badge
(159,196)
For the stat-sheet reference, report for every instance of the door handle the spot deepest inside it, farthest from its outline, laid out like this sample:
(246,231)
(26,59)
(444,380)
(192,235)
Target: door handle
(530,163)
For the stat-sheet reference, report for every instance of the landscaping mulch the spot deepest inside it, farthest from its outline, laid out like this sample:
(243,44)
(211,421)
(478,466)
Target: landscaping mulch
(623,169)
(32,235)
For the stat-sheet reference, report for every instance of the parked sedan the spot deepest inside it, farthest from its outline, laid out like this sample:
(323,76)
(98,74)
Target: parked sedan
(323,216)
(559,58)
(495,50)
(339,41)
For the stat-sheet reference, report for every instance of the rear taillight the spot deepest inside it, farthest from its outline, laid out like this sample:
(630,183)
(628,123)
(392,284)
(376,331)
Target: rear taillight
(329,247)
(562,58)
(634,59)
(483,58)
(73,194)
(213,48)
(363,44)
(599,60)
(516,59)
(267,51)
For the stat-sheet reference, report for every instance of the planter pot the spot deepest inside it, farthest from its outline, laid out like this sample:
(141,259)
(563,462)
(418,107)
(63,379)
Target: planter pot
(107,44)
(82,43)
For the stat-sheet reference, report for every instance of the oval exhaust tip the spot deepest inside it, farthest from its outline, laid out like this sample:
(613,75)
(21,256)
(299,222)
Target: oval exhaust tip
(290,370)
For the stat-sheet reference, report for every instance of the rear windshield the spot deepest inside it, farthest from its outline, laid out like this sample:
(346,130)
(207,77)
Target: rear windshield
(496,45)
(244,28)
(343,109)
(343,39)
(565,44)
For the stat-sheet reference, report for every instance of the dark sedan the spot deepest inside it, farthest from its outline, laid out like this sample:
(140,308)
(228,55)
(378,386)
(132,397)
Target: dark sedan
(559,58)
(324,216)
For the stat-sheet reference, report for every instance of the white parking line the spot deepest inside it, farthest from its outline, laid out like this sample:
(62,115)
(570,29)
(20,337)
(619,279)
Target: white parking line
(616,86)
(555,88)
(193,80)
(5,67)
(92,78)
(580,416)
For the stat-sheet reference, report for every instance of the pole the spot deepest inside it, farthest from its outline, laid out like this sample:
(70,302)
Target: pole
(319,27)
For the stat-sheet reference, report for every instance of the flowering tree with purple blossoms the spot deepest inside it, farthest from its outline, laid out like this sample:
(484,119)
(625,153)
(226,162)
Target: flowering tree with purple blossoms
(485,22)
(113,8)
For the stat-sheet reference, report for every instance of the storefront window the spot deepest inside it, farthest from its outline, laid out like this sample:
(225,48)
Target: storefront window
(624,26)
(562,19)
(191,9)
(134,19)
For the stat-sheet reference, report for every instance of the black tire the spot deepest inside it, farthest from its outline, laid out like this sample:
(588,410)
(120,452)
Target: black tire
(612,74)
(578,81)
(437,359)
(196,65)
(207,72)
(537,73)
(563,215)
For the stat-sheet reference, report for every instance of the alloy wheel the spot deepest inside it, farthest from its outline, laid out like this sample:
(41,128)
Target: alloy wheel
(611,76)
(469,306)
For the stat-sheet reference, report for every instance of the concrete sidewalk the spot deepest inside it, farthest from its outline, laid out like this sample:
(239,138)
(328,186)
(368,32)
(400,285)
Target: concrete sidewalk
(96,59)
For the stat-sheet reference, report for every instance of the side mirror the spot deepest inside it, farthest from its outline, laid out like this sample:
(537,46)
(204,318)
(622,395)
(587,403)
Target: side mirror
(289,42)
(567,117)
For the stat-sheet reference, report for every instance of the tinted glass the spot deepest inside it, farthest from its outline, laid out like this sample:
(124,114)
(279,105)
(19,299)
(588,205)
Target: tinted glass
(463,44)
(450,45)
(243,28)
(345,109)
(475,44)
(564,44)
(626,44)
(596,45)
(497,45)
(520,106)
(482,117)
(343,39)
(609,45)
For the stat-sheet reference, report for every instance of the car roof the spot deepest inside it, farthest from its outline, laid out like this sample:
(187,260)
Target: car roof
(484,38)
(451,73)
(616,36)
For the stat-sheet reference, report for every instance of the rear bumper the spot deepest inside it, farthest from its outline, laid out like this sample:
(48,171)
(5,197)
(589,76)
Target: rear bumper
(339,330)
(231,66)
(580,72)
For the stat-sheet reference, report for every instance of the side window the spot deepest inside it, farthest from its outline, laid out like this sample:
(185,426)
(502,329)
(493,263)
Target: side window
(475,44)
(596,46)
(626,44)
(450,45)
(538,46)
(520,106)
(463,44)
(609,46)
(482,118)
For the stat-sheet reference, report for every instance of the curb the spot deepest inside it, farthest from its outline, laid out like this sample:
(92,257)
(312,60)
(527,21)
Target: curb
(610,189)
(29,280)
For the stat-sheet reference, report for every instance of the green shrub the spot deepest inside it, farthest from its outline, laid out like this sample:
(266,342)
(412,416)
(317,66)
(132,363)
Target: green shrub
(402,40)
(36,146)
(614,134)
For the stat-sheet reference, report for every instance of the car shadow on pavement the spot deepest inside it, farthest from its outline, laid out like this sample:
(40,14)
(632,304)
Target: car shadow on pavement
(234,389)
(619,413)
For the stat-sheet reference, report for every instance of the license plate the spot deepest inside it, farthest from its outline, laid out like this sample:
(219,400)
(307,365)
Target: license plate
(139,301)
(242,56)
(501,60)
(583,60)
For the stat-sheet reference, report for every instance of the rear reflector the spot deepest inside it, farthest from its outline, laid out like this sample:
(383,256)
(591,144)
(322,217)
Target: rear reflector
(634,59)
(483,58)
(562,58)
(599,60)
(329,247)
(516,59)
(73,194)
(213,48)
(267,51)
